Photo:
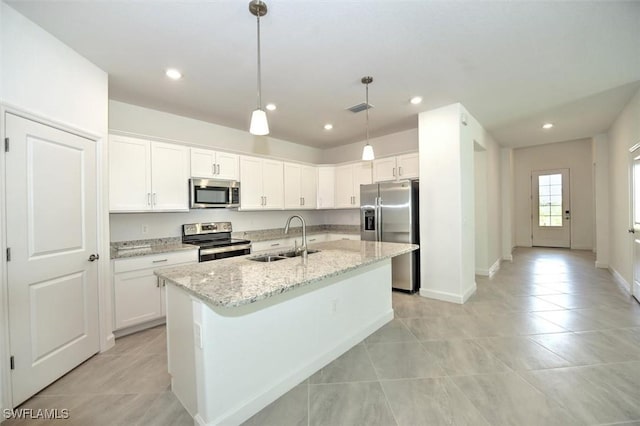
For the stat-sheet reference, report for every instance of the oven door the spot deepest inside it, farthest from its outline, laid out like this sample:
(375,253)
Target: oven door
(224,252)
(207,193)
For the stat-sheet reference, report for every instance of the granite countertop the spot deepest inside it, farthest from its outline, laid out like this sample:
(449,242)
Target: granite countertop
(124,249)
(239,281)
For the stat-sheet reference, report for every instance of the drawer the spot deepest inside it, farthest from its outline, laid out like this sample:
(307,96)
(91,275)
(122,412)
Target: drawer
(155,261)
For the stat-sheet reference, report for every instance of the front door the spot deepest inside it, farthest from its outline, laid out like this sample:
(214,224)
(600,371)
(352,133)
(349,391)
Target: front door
(635,226)
(51,233)
(551,215)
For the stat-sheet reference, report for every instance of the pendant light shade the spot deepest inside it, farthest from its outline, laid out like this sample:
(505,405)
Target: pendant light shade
(259,124)
(367,151)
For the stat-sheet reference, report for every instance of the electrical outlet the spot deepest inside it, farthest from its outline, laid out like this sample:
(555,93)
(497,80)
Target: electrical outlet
(197,335)
(145,229)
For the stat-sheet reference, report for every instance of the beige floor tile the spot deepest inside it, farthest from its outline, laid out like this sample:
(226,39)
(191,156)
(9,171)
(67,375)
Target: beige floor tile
(353,366)
(522,353)
(394,331)
(403,360)
(463,357)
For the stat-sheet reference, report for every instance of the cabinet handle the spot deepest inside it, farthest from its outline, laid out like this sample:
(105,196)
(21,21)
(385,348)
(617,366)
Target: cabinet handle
(164,283)
(218,169)
(155,199)
(394,172)
(158,282)
(303,201)
(400,171)
(275,245)
(265,200)
(312,239)
(160,261)
(148,198)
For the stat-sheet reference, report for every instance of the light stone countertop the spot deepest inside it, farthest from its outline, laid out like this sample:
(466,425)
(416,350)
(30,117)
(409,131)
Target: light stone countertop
(239,281)
(135,248)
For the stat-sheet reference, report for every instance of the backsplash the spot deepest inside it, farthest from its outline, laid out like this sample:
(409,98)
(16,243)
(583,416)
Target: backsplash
(143,226)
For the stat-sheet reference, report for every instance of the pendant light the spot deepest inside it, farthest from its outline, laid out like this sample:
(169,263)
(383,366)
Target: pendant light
(259,125)
(367,151)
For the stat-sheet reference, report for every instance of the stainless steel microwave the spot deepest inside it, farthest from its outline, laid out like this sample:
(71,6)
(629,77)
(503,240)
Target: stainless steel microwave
(211,194)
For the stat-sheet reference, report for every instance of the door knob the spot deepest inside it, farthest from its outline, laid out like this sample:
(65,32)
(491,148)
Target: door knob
(94,257)
(631,231)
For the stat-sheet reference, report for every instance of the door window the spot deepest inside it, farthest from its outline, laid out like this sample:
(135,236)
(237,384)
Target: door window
(550,200)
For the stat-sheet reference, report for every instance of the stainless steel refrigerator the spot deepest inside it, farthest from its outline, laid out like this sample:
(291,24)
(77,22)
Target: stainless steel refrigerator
(389,212)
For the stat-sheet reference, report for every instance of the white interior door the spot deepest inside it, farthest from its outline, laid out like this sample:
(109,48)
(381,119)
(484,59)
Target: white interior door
(51,232)
(551,215)
(635,228)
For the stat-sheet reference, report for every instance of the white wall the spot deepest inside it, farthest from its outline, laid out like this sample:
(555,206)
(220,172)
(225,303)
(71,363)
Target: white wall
(574,155)
(47,80)
(447,209)
(480,197)
(601,201)
(622,135)
(506,185)
(383,146)
(144,122)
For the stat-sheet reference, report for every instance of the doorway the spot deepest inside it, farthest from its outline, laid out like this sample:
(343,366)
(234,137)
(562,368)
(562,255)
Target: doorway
(52,273)
(551,209)
(635,221)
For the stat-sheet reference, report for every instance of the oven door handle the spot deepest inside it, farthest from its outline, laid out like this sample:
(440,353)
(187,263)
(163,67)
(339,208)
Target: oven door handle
(225,249)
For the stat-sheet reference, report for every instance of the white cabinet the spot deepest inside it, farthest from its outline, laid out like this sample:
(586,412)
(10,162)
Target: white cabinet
(262,183)
(206,163)
(147,176)
(347,185)
(326,187)
(393,168)
(138,293)
(300,189)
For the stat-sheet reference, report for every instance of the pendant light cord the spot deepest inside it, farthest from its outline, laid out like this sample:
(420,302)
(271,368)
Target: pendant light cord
(367,110)
(259,67)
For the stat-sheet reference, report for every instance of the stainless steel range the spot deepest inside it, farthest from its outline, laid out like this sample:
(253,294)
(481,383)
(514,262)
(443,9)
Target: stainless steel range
(214,240)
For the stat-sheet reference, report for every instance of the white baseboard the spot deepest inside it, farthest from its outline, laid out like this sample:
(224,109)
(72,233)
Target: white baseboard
(495,267)
(602,265)
(508,258)
(482,272)
(135,328)
(590,248)
(620,279)
(447,296)
(197,420)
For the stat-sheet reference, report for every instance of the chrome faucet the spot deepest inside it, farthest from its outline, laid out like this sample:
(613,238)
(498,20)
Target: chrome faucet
(303,248)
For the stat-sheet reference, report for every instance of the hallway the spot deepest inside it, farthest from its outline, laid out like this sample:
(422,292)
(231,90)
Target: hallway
(548,340)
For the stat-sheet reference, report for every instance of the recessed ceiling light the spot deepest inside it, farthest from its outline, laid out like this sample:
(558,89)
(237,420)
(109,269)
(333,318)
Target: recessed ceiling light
(547,125)
(416,100)
(173,74)
(271,107)
(328,126)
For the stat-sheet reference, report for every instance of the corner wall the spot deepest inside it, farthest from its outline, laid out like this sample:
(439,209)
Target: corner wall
(623,134)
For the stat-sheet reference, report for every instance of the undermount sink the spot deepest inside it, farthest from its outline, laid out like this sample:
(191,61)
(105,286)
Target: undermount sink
(293,253)
(267,258)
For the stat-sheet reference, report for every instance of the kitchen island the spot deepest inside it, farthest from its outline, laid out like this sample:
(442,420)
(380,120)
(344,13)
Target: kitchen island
(241,333)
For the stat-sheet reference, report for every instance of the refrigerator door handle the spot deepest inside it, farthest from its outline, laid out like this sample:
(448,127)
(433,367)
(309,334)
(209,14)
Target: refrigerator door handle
(379,218)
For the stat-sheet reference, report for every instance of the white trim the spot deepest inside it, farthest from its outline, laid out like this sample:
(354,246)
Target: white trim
(602,265)
(104,272)
(139,327)
(494,268)
(447,296)
(508,258)
(197,419)
(590,248)
(620,279)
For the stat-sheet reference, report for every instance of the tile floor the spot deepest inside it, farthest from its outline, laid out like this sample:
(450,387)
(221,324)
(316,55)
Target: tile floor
(549,340)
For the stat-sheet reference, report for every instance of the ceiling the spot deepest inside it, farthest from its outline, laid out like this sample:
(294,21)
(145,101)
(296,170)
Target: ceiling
(514,65)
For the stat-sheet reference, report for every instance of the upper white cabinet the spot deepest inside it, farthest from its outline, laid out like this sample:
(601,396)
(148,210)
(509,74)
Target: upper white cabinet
(206,163)
(300,190)
(393,168)
(262,183)
(326,187)
(348,179)
(147,175)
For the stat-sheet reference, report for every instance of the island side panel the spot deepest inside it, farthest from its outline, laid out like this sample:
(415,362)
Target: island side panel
(254,354)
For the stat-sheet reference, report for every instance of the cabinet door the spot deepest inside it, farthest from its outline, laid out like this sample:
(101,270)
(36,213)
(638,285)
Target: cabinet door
(409,166)
(129,174)
(227,165)
(137,298)
(273,184)
(361,176)
(292,185)
(169,177)
(384,169)
(308,187)
(203,163)
(344,186)
(251,196)
(326,187)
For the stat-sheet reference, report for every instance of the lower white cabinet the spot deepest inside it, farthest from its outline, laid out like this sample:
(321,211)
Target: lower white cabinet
(138,293)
